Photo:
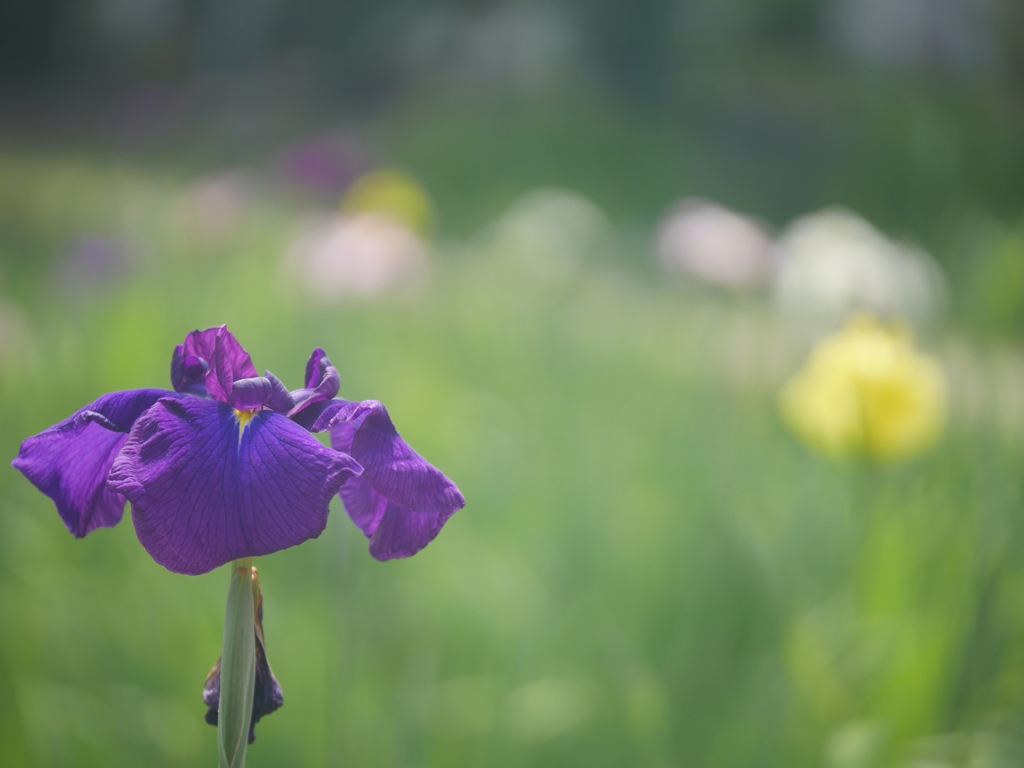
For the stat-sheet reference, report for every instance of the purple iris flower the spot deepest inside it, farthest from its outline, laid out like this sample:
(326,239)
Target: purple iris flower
(225,467)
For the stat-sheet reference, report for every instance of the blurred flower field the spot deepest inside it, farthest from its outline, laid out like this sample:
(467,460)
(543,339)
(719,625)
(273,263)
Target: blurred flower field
(650,570)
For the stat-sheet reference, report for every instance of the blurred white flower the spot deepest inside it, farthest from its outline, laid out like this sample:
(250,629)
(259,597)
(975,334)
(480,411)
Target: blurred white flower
(834,263)
(551,232)
(715,245)
(360,255)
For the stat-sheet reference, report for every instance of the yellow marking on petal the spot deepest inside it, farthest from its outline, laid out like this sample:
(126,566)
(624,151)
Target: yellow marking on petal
(243,418)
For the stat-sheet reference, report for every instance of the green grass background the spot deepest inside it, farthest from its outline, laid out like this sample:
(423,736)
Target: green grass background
(649,570)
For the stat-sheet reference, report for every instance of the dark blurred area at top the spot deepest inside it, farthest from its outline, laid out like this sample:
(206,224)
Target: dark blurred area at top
(371,50)
(908,111)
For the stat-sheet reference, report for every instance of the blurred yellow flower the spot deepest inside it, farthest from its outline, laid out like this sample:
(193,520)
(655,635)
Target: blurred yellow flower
(865,391)
(395,195)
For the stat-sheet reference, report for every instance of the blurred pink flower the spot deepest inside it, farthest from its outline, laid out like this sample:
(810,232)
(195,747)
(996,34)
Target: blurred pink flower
(360,255)
(214,205)
(714,245)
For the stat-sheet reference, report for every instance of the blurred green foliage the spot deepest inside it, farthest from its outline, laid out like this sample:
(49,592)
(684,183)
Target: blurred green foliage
(649,570)
(998,289)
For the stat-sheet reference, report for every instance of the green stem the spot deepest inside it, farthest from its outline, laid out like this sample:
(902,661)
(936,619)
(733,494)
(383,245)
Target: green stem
(237,668)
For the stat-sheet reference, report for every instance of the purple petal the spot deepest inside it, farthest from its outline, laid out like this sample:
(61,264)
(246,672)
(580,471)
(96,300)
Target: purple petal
(391,466)
(281,400)
(247,394)
(315,368)
(403,532)
(322,383)
(229,364)
(188,372)
(317,417)
(194,367)
(329,385)
(205,491)
(394,531)
(222,359)
(70,462)
(204,343)
(178,368)
(400,501)
(363,505)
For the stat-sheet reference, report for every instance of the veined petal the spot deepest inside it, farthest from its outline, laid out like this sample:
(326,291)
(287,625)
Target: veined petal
(281,400)
(207,488)
(70,462)
(394,531)
(403,532)
(228,364)
(390,465)
(322,383)
(188,372)
(315,368)
(211,360)
(251,393)
(204,343)
(318,417)
(400,501)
